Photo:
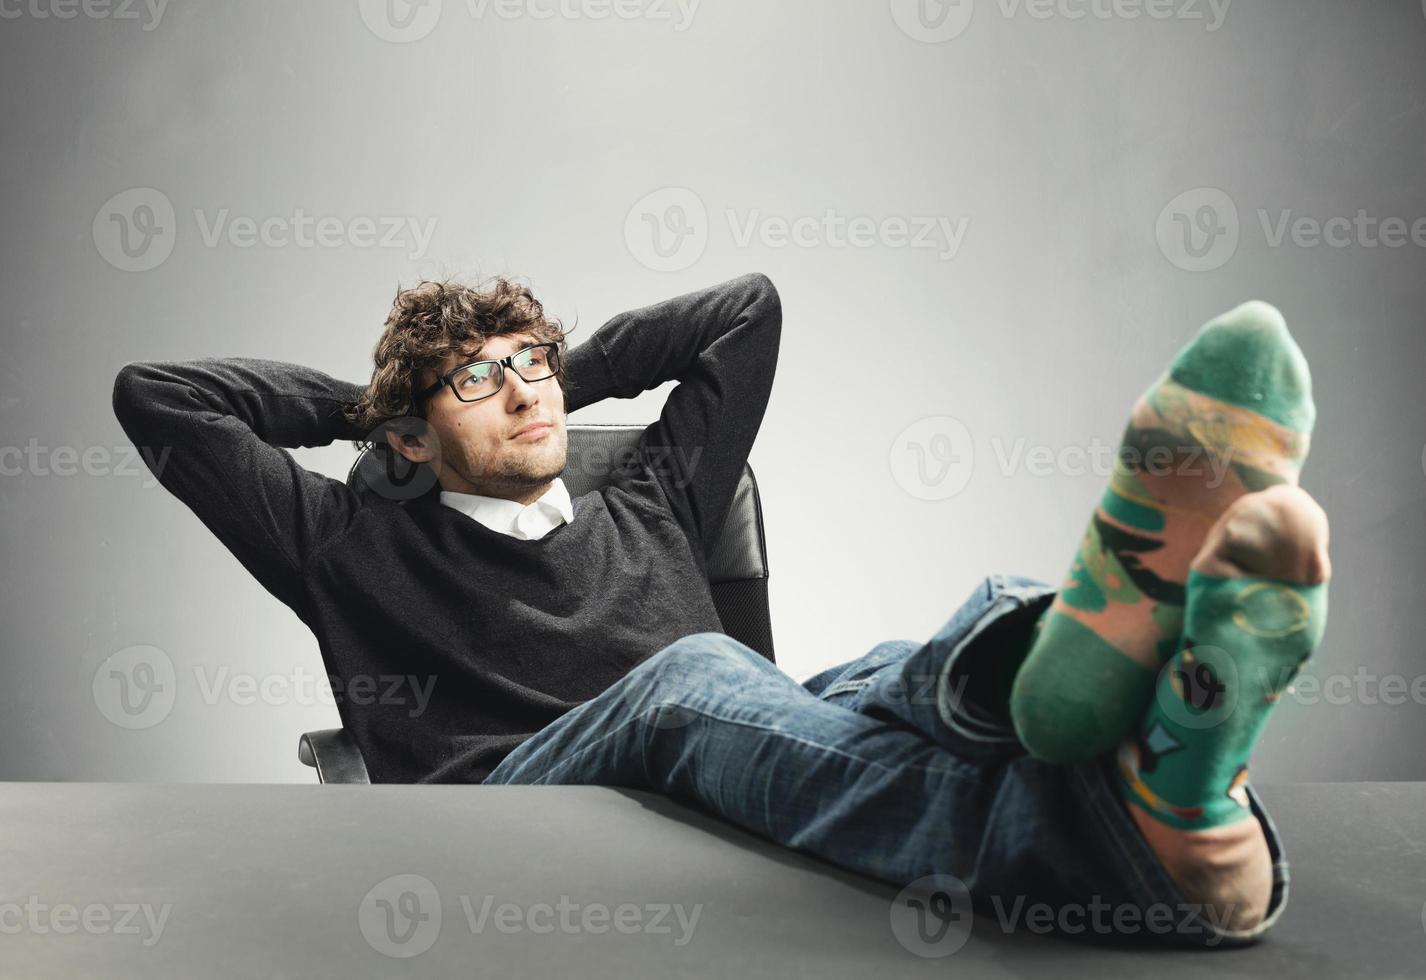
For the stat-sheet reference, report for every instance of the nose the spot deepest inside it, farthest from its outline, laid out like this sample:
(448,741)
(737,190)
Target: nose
(521,392)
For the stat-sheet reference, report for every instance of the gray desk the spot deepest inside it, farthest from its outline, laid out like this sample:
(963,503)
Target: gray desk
(287,881)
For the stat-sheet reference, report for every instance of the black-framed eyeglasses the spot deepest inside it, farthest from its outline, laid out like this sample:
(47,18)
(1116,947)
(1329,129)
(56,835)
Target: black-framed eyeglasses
(481,379)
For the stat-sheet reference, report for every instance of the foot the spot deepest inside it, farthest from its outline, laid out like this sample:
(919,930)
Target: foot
(1226,870)
(1256,610)
(1232,415)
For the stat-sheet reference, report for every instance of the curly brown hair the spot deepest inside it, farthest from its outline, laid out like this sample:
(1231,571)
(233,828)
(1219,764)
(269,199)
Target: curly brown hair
(434,319)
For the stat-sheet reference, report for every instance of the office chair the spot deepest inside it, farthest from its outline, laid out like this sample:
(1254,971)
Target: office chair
(737,564)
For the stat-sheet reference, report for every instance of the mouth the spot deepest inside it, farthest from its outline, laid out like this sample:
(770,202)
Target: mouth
(533,432)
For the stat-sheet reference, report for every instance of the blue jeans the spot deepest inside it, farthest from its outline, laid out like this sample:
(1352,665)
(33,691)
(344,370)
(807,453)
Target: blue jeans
(884,765)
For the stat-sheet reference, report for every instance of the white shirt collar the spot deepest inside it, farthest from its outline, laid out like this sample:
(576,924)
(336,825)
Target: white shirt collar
(524,521)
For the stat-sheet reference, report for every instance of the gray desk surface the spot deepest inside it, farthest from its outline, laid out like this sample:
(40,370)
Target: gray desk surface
(287,881)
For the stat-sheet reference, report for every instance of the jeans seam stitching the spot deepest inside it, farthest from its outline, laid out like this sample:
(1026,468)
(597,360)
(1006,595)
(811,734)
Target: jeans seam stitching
(637,717)
(842,687)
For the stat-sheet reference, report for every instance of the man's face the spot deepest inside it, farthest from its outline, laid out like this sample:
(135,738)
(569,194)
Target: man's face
(481,447)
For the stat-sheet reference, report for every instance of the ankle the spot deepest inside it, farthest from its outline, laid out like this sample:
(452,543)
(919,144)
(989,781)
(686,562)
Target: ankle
(1227,869)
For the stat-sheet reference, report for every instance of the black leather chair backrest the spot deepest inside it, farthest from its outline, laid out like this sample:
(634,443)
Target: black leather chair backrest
(598,454)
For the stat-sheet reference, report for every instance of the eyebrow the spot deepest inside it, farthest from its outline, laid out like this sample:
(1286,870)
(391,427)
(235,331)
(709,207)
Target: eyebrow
(525,340)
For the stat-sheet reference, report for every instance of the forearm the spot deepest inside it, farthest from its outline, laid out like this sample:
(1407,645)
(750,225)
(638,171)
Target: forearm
(644,348)
(721,345)
(283,404)
(215,432)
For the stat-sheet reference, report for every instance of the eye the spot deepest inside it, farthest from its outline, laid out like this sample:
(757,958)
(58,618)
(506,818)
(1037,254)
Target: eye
(474,377)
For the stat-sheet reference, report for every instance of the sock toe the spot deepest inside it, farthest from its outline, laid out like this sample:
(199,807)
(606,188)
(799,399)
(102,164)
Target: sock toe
(1247,357)
(1256,314)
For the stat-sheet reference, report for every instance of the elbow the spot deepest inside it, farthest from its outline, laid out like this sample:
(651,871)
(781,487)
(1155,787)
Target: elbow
(766,299)
(130,386)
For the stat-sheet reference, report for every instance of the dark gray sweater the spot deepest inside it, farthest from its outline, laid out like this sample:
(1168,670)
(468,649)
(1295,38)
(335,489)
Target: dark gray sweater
(448,644)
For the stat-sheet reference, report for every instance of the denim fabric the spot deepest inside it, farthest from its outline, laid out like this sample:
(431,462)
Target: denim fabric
(884,765)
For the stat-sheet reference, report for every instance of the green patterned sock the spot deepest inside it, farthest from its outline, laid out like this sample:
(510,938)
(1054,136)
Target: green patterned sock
(1232,415)
(1244,641)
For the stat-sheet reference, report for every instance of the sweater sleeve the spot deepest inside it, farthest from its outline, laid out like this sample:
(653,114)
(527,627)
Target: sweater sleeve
(721,345)
(214,433)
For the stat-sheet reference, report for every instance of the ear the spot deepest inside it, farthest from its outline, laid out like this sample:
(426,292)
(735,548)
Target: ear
(416,448)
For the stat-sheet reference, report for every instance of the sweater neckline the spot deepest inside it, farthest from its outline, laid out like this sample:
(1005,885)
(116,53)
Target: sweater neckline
(434,503)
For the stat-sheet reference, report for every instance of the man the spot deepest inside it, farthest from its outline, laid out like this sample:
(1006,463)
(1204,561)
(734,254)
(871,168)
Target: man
(1077,747)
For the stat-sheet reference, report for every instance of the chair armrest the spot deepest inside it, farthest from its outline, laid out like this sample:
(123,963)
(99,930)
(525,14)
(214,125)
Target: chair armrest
(335,756)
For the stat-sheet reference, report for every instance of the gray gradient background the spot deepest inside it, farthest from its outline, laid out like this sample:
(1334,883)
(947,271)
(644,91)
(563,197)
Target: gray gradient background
(530,140)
